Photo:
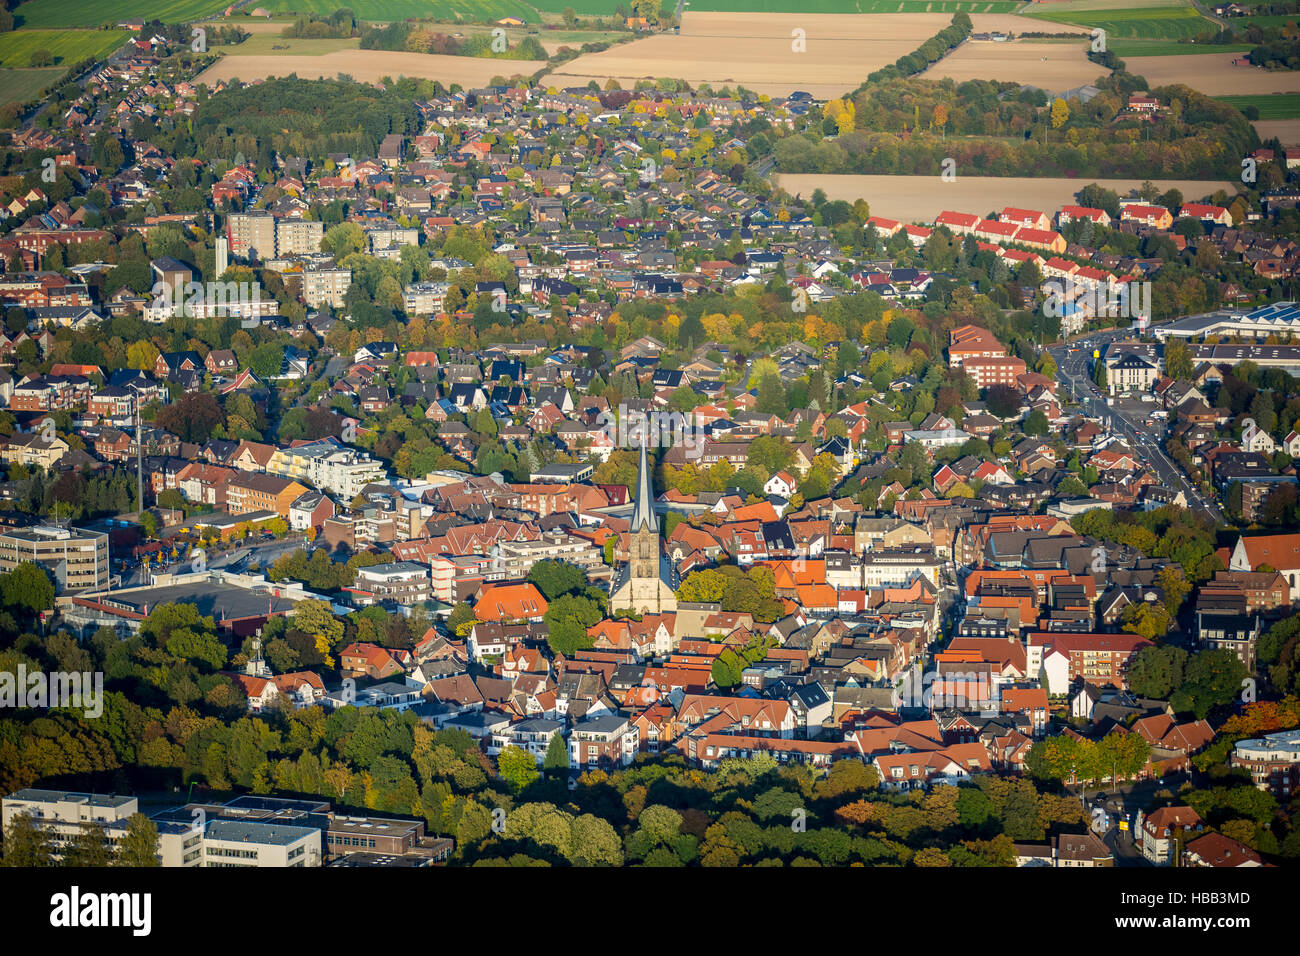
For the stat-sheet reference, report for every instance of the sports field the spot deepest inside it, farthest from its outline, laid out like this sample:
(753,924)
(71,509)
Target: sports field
(42,14)
(66,46)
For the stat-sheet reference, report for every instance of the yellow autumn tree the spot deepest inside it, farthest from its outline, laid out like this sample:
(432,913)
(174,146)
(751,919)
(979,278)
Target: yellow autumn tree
(1060,113)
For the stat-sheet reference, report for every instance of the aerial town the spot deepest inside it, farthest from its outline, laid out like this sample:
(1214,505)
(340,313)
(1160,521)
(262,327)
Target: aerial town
(401,473)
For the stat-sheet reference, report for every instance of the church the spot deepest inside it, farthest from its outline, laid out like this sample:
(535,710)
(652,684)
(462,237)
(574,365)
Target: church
(648,583)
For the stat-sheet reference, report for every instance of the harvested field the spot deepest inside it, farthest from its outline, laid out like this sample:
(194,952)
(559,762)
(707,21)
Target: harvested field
(1288,131)
(1213,73)
(1051,66)
(1014,23)
(921,198)
(368,66)
(754,50)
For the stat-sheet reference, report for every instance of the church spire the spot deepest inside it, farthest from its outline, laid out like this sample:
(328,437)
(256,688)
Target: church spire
(643,513)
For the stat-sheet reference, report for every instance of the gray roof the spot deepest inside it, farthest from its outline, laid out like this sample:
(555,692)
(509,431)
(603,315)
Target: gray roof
(243,831)
(643,513)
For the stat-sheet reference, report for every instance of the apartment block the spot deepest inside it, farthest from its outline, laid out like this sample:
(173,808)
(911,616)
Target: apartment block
(325,287)
(249,493)
(298,237)
(328,466)
(252,235)
(1272,760)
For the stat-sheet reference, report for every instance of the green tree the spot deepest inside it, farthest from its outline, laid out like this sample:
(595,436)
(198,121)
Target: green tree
(595,843)
(567,619)
(27,843)
(139,846)
(88,848)
(554,578)
(1037,424)
(317,619)
(557,754)
(517,767)
(1178,360)
(27,587)
(1156,672)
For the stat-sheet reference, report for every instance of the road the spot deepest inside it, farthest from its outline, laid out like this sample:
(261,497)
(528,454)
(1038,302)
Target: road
(1125,802)
(1072,370)
(236,560)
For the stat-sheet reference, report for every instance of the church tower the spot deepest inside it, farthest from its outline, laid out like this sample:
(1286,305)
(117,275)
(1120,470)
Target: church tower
(647,583)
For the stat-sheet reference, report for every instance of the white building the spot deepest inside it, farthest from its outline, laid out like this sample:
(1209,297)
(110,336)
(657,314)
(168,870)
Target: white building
(532,735)
(201,842)
(228,843)
(327,465)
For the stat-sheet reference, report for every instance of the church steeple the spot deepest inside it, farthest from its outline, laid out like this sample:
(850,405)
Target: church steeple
(647,583)
(643,512)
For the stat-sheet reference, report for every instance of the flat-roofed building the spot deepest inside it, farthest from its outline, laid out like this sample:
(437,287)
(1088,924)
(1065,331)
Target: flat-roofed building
(77,559)
(229,843)
(296,237)
(325,287)
(1273,761)
(403,582)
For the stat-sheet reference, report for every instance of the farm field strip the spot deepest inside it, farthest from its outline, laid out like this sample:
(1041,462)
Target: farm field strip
(22,86)
(1054,67)
(264,44)
(1160,23)
(1277,106)
(1125,48)
(921,198)
(44,14)
(389,10)
(1286,130)
(1213,74)
(368,66)
(66,46)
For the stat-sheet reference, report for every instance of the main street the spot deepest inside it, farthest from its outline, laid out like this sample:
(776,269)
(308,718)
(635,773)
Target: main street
(1072,371)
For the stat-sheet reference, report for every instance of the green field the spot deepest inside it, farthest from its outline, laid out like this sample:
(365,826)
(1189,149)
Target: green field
(483,10)
(1157,23)
(1127,48)
(389,10)
(1279,20)
(1275,106)
(40,14)
(66,46)
(853,6)
(22,86)
(263,44)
